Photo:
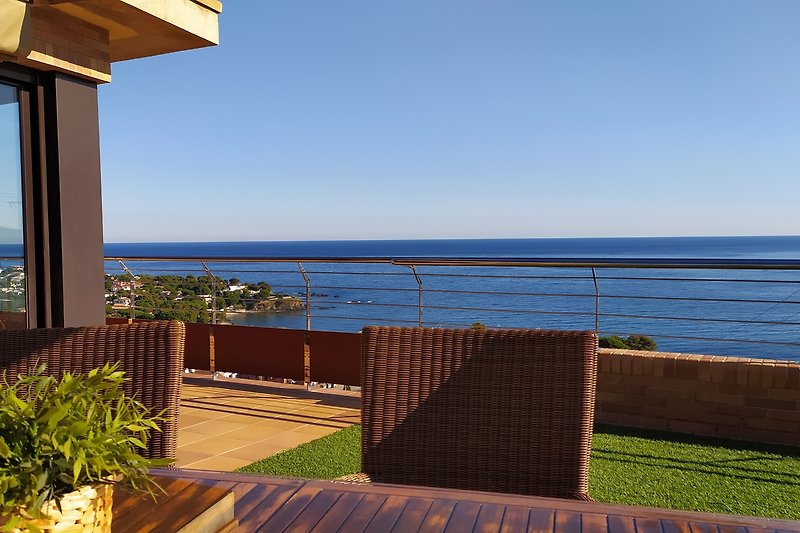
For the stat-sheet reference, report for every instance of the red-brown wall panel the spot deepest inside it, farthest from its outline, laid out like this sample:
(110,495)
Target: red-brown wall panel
(197,353)
(335,357)
(265,352)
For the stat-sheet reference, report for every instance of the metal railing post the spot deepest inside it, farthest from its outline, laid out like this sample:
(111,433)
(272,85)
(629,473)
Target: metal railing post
(212,354)
(420,308)
(307,342)
(596,303)
(308,294)
(213,292)
(132,289)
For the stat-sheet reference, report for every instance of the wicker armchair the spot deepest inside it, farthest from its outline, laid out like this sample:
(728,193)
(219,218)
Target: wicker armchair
(150,353)
(493,410)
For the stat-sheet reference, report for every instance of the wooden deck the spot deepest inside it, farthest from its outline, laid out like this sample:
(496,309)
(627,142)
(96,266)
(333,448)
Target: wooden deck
(280,504)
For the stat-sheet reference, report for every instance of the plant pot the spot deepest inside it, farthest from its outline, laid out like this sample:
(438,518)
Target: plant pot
(85,510)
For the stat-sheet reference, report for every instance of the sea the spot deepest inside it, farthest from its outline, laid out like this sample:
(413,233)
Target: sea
(727,311)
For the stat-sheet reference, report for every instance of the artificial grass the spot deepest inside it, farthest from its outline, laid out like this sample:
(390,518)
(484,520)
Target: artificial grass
(327,458)
(636,467)
(633,467)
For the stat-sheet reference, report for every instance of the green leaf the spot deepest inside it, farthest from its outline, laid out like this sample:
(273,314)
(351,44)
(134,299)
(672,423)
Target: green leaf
(19,403)
(41,481)
(12,523)
(79,428)
(42,385)
(54,415)
(5,451)
(76,469)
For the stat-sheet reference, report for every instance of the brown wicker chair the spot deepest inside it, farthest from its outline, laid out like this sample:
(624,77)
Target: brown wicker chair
(492,410)
(150,353)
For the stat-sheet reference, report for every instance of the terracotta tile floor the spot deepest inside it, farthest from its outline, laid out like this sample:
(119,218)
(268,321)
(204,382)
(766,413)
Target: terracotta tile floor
(228,423)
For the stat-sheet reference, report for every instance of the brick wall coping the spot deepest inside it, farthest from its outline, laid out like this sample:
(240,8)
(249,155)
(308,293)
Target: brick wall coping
(698,357)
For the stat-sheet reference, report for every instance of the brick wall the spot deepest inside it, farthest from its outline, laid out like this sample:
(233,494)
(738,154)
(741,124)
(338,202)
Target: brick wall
(749,399)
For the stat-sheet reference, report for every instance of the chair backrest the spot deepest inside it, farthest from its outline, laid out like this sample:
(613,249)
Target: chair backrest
(150,353)
(493,410)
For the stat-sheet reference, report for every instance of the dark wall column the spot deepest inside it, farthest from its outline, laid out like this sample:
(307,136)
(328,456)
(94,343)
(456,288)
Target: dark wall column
(74,201)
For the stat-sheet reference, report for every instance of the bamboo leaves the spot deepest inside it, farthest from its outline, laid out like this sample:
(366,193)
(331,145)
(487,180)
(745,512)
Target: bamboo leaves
(56,435)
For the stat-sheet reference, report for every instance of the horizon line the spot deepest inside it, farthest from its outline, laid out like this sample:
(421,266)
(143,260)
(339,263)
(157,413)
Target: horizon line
(411,239)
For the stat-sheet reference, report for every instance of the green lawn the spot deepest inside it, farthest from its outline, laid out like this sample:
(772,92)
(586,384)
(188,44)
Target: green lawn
(681,472)
(628,466)
(326,458)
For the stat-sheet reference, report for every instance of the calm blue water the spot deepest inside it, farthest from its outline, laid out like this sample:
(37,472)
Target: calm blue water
(651,247)
(633,301)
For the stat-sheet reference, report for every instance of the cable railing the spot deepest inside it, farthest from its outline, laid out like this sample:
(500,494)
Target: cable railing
(737,307)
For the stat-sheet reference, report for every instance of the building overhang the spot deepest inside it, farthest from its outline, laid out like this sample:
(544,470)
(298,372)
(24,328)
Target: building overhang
(142,28)
(84,37)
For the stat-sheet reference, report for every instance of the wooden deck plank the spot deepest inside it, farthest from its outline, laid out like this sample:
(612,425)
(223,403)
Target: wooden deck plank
(195,498)
(313,512)
(364,512)
(413,515)
(489,518)
(387,515)
(675,526)
(594,522)
(338,513)
(438,516)
(541,521)
(249,495)
(290,509)
(732,529)
(620,524)
(515,519)
(136,508)
(125,500)
(568,522)
(463,517)
(649,524)
(196,503)
(700,527)
(264,509)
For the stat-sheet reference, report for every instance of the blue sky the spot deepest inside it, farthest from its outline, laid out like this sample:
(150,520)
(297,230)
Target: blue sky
(320,120)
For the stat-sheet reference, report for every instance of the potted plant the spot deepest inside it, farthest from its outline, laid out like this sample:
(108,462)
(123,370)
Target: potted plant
(64,443)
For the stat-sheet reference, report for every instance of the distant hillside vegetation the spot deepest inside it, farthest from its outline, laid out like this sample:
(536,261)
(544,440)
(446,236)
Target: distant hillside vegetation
(189,298)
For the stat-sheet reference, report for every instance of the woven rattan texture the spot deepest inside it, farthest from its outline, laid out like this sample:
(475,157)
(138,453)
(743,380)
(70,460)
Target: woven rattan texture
(494,410)
(150,353)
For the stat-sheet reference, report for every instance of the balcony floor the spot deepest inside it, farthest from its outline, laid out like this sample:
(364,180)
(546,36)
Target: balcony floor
(228,423)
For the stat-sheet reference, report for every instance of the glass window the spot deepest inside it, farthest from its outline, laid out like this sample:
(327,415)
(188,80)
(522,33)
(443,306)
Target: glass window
(12,256)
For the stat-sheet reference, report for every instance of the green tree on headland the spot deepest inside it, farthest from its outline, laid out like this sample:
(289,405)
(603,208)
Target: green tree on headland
(187,298)
(632,342)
